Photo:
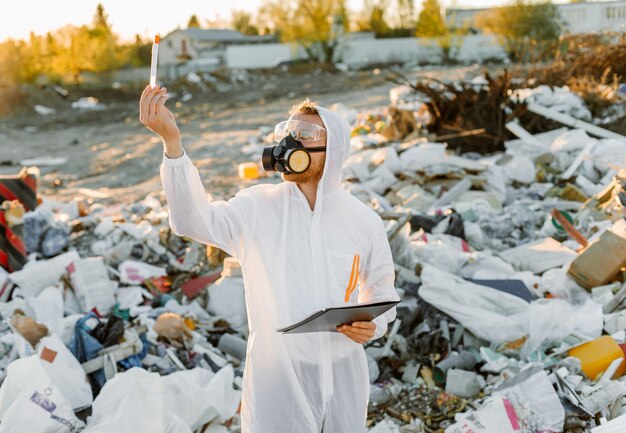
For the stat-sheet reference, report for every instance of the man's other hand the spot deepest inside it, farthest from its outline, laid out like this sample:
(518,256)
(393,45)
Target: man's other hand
(358,331)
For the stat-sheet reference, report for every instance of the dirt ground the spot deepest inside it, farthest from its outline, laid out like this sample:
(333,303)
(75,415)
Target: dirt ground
(112,154)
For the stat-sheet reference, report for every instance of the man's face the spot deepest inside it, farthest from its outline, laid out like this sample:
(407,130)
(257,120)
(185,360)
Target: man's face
(316,169)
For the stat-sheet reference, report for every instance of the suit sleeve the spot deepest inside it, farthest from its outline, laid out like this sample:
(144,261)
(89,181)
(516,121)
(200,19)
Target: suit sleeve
(379,279)
(223,224)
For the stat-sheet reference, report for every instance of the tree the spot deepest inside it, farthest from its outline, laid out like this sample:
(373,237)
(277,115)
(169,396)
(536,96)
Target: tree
(101,19)
(429,22)
(342,16)
(193,22)
(527,31)
(373,17)
(103,43)
(137,53)
(13,62)
(377,19)
(315,25)
(66,53)
(406,14)
(242,22)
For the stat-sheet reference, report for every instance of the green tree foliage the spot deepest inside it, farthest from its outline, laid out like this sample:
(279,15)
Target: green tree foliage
(136,54)
(102,43)
(65,54)
(373,17)
(527,31)
(406,14)
(193,22)
(242,21)
(313,24)
(430,22)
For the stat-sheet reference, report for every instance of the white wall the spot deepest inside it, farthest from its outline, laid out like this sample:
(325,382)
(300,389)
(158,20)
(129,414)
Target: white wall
(357,53)
(364,52)
(476,48)
(593,17)
(585,17)
(259,55)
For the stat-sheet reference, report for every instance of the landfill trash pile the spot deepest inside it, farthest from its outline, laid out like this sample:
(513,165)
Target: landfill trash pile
(112,323)
(511,267)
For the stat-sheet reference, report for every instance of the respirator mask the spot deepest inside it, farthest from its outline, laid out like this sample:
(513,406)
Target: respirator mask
(290,156)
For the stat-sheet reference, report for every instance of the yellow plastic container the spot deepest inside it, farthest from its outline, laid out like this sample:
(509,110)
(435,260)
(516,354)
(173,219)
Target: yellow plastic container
(249,171)
(597,355)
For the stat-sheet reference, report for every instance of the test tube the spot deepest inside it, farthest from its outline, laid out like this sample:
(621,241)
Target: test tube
(153,63)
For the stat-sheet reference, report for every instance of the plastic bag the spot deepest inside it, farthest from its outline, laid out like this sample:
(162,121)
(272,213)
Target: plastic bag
(208,395)
(489,314)
(40,409)
(53,363)
(552,320)
(500,317)
(133,402)
(109,333)
(65,371)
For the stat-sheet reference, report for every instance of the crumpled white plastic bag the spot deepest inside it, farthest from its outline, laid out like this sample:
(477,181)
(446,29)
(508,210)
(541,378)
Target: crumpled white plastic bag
(133,402)
(181,402)
(489,314)
(500,317)
(552,320)
(64,371)
(207,395)
(40,409)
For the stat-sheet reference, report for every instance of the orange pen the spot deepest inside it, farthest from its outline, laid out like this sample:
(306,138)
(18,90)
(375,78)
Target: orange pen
(354,277)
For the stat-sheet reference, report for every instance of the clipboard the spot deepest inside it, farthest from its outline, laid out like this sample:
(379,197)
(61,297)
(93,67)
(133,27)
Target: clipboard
(328,319)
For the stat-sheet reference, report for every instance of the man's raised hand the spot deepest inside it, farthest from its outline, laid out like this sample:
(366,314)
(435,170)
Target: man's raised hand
(155,116)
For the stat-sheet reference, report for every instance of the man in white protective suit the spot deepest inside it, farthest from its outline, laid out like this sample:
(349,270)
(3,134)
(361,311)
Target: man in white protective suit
(304,245)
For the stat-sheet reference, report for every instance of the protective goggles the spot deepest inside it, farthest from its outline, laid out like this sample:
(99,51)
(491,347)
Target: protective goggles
(301,130)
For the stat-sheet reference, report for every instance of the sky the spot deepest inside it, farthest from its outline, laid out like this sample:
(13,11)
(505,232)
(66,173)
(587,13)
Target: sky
(130,17)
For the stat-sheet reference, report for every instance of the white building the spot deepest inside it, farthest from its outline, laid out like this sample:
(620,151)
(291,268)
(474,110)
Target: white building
(585,17)
(193,49)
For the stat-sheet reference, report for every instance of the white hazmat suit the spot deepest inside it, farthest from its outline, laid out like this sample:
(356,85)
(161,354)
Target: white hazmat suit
(294,262)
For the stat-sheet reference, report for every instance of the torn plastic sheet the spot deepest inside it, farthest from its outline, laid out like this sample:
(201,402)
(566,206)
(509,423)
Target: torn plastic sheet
(500,317)
(489,314)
